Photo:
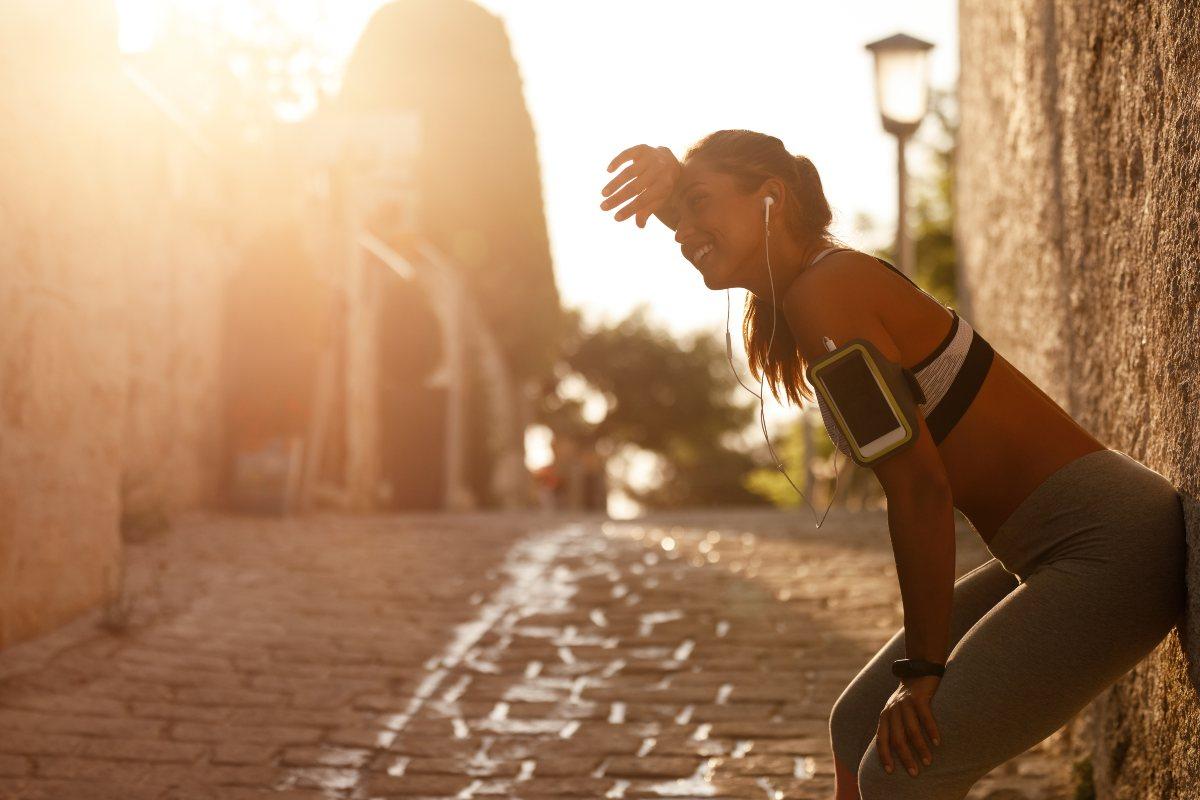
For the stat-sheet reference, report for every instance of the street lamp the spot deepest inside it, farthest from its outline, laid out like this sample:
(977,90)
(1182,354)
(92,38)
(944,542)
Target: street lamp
(902,94)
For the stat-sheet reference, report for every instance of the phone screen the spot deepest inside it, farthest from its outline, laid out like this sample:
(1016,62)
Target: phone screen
(860,398)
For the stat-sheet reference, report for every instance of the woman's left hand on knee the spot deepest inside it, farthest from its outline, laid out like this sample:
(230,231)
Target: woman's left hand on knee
(900,724)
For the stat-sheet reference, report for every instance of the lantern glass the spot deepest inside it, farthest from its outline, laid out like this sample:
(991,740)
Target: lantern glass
(902,84)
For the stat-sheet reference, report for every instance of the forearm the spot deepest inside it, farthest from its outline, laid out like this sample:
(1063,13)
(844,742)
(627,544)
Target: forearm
(922,533)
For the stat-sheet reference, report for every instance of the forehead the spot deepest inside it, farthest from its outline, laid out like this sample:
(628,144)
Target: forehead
(695,174)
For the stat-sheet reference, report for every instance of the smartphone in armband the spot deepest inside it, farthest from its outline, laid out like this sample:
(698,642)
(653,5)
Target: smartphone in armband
(873,400)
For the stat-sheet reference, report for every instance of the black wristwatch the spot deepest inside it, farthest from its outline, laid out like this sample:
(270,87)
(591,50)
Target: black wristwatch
(915,668)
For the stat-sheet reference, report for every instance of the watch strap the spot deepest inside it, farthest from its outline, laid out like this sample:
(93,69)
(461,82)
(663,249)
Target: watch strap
(916,667)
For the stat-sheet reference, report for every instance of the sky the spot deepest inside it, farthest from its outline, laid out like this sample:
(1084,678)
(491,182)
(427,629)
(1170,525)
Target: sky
(602,76)
(668,73)
(599,77)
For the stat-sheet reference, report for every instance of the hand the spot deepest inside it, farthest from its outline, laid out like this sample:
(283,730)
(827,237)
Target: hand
(898,724)
(654,172)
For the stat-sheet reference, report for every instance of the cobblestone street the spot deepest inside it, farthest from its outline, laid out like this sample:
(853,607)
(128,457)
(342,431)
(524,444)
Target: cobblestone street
(464,656)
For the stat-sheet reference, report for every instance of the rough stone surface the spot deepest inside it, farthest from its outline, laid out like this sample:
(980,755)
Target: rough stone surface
(1078,227)
(471,656)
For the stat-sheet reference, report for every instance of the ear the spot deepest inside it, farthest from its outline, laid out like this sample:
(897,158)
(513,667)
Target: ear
(775,188)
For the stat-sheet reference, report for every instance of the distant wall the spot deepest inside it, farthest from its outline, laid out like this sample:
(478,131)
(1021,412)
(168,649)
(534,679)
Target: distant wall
(1078,229)
(109,306)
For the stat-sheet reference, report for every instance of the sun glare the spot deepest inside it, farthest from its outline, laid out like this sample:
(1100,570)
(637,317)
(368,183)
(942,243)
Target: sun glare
(143,22)
(140,21)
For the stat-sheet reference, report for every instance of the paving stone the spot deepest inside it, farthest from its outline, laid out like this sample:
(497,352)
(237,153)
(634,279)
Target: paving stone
(242,753)
(424,656)
(651,766)
(14,766)
(141,750)
(558,787)
(252,734)
(43,789)
(409,785)
(567,766)
(42,722)
(48,744)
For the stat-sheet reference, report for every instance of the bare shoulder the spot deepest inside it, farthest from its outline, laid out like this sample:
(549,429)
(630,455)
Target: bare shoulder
(849,271)
(841,297)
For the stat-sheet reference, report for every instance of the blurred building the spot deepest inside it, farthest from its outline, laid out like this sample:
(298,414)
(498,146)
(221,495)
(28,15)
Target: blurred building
(479,236)
(191,318)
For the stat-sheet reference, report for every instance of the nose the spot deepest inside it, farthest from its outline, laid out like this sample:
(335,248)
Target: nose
(682,231)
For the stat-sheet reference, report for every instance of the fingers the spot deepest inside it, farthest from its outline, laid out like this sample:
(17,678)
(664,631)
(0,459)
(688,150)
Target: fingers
(900,744)
(629,190)
(650,201)
(650,197)
(926,715)
(913,728)
(883,741)
(633,170)
(626,154)
(893,743)
(899,727)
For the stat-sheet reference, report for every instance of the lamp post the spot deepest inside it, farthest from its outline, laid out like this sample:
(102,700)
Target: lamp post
(902,94)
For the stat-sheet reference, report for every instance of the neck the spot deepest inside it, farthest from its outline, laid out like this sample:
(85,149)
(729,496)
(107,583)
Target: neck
(788,261)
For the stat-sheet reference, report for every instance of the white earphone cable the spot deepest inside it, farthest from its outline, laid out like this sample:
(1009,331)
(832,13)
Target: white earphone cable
(767,202)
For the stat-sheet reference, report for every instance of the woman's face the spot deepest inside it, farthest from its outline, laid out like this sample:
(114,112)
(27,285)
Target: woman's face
(720,229)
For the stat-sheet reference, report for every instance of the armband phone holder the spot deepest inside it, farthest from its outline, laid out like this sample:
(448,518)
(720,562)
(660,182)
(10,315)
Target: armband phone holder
(873,400)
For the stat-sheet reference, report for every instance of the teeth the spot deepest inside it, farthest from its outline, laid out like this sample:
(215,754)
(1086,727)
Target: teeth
(702,252)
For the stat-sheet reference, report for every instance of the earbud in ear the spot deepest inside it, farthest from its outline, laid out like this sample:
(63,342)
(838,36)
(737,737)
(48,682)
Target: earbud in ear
(768,201)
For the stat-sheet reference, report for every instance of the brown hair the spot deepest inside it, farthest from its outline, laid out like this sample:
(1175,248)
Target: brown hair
(751,158)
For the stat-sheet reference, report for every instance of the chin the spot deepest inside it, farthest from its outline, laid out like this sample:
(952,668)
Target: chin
(719,280)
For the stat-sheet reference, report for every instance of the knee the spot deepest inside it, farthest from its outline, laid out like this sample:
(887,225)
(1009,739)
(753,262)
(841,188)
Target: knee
(942,780)
(875,783)
(847,734)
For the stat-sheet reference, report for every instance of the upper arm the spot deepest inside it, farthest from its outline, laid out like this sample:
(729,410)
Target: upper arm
(827,303)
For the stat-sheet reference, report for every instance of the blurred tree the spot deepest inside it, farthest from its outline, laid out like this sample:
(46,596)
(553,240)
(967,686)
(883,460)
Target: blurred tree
(672,398)
(850,485)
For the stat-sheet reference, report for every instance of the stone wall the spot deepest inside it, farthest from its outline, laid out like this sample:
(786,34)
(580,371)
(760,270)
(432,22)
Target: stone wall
(1078,228)
(109,310)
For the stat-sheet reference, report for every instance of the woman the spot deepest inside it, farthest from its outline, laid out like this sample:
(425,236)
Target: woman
(1089,547)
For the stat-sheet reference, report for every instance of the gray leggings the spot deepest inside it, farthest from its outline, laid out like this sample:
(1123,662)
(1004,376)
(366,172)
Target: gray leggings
(1088,577)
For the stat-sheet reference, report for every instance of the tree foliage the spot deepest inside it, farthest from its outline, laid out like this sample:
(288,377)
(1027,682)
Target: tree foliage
(674,398)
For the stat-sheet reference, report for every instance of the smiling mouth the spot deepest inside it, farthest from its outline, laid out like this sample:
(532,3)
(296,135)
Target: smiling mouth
(700,262)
